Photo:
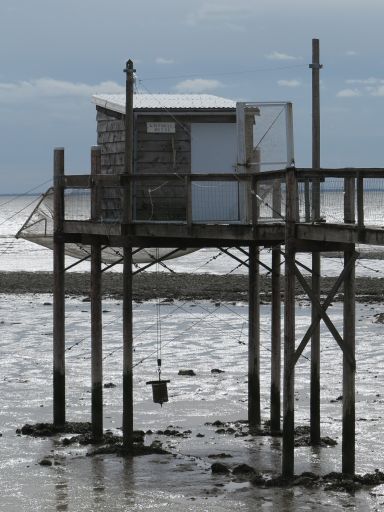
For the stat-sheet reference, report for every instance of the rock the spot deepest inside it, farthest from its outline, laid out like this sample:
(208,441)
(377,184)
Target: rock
(328,441)
(200,435)
(217,423)
(219,468)
(230,430)
(243,469)
(338,399)
(220,431)
(216,370)
(156,444)
(45,462)
(219,456)
(188,373)
(47,304)
(86,299)
(109,385)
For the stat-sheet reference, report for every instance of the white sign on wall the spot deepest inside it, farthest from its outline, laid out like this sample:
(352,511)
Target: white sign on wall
(161,128)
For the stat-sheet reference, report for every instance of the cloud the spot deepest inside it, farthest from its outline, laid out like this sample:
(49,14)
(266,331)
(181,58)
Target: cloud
(376,91)
(45,88)
(351,53)
(230,16)
(280,56)
(197,85)
(365,81)
(289,83)
(371,86)
(348,93)
(161,60)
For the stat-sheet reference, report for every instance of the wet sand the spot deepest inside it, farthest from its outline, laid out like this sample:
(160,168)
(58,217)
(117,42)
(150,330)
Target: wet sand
(183,286)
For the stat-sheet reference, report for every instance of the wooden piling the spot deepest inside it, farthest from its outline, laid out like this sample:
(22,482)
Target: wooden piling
(289,327)
(127,269)
(254,338)
(348,443)
(127,352)
(58,292)
(275,393)
(316,266)
(96,309)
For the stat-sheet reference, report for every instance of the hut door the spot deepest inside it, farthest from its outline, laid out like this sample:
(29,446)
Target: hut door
(213,149)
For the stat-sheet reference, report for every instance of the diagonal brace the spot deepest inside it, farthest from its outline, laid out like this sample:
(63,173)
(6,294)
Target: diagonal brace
(324,306)
(326,319)
(120,260)
(155,260)
(268,269)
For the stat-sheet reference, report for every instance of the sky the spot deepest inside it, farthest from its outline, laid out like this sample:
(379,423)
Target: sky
(54,55)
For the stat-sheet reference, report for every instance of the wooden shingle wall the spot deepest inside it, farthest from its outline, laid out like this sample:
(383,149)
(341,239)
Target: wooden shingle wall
(163,200)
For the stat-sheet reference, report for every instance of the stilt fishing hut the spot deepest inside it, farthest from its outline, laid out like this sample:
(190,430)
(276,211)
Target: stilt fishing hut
(200,171)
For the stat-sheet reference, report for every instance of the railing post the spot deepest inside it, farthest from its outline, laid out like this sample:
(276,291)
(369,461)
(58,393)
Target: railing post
(188,190)
(95,187)
(360,201)
(58,292)
(349,200)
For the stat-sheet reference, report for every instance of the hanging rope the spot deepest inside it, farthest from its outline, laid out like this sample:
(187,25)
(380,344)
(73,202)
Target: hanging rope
(158,321)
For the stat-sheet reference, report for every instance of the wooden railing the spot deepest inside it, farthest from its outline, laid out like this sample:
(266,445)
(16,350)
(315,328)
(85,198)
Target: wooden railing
(354,185)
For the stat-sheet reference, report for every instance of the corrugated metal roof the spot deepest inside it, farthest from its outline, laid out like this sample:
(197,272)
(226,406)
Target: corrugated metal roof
(116,102)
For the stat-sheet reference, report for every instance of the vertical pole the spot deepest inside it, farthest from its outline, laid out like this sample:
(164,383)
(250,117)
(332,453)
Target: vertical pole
(276,321)
(254,338)
(127,270)
(96,310)
(253,164)
(316,267)
(127,352)
(58,293)
(289,327)
(129,137)
(348,444)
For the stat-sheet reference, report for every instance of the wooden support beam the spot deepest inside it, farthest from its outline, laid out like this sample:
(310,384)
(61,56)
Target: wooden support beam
(96,310)
(275,393)
(289,329)
(254,339)
(96,343)
(58,293)
(348,444)
(275,409)
(127,352)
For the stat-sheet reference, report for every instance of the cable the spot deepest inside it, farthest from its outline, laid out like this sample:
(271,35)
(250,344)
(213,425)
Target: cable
(21,210)
(225,73)
(17,196)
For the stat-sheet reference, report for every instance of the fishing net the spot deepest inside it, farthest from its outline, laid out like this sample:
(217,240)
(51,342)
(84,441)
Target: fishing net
(39,229)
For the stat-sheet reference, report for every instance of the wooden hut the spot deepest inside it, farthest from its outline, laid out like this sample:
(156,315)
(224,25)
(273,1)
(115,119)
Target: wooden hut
(174,133)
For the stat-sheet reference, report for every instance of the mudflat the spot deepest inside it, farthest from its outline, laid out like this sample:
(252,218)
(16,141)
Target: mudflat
(147,286)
